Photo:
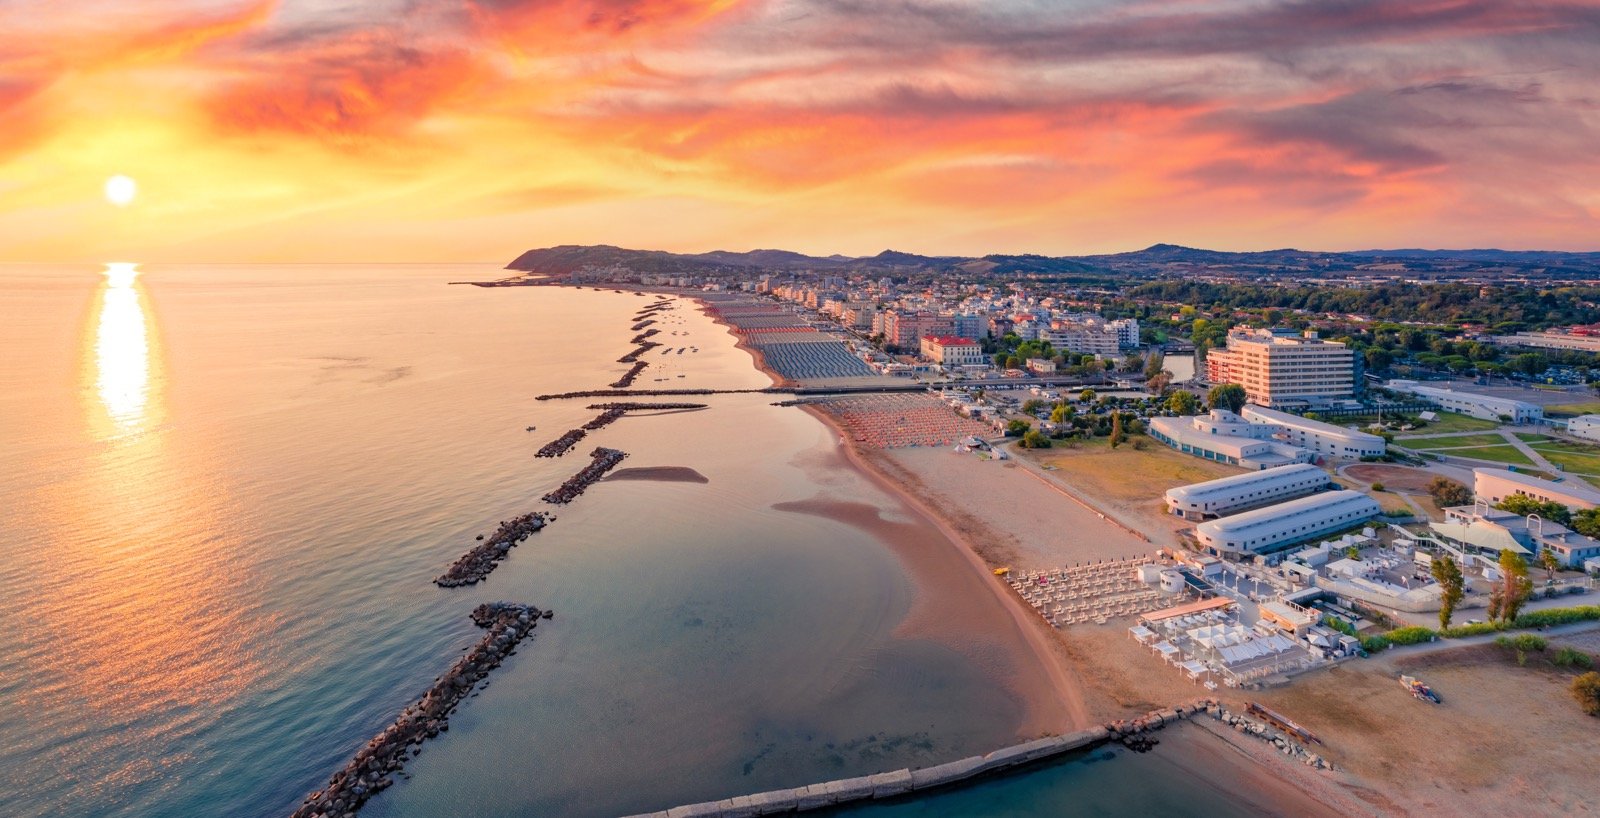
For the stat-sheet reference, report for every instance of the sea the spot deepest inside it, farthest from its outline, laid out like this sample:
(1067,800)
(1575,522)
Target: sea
(225,490)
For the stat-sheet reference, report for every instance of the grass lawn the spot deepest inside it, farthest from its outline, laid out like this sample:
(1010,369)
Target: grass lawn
(1572,409)
(1452,422)
(1127,475)
(1452,442)
(1499,454)
(1532,437)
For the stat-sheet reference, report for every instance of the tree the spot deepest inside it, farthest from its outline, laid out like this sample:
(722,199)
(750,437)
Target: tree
(1032,406)
(1352,553)
(1549,562)
(1117,434)
(1587,522)
(1134,362)
(1017,428)
(1154,365)
(1378,359)
(1525,505)
(1586,689)
(1087,396)
(1515,587)
(1452,586)
(1230,396)
(1158,384)
(1446,492)
(1034,439)
(1183,402)
(1000,359)
(1060,412)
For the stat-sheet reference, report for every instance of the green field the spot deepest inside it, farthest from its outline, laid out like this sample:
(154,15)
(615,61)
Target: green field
(1572,409)
(1452,422)
(1452,442)
(1571,460)
(1532,437)
(1499,454)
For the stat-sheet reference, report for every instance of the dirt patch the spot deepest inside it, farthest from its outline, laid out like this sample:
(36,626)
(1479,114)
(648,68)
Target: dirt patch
(1393,478)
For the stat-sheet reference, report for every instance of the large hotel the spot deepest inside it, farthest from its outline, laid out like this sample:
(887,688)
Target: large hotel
(1284,371)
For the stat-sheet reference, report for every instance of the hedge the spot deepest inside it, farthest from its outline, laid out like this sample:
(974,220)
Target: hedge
(1558,616)
(1414,635)
(1477,629)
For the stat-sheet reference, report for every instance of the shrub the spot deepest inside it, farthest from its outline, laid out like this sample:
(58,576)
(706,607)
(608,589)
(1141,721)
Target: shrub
(1375,644)
(1572,657)
(1558,616)
(1478,629)
(1339,624)
(1523,641)
(1586,689)
(1413,635)
(1377,487)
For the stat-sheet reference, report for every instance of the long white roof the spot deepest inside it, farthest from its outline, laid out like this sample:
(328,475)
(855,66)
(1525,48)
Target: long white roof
(1289,514)
(1237,482)
(1570,488)
(1309,425)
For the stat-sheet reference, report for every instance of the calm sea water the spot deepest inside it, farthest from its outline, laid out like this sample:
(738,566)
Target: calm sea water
(225,492)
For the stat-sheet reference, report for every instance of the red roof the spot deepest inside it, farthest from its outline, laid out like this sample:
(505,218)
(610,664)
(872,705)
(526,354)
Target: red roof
(952,341)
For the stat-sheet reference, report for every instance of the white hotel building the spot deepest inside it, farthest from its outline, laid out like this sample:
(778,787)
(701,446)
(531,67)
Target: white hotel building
(1226,495)
(1323,438)
(1274,527)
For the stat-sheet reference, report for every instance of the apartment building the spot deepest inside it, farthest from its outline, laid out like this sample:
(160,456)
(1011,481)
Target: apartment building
(1279,370)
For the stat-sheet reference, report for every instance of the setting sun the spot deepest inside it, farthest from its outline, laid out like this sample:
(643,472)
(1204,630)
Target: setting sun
(120,190)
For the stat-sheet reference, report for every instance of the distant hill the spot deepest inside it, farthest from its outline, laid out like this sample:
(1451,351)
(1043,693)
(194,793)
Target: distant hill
(1156,261)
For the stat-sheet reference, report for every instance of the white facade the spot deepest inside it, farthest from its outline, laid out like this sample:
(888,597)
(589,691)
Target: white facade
(1215,498)
(1495,485)
(1227,438)
(1487,407)
(1284,370)
(1585,426)
(1322,438)
(1267,529)
(950,351)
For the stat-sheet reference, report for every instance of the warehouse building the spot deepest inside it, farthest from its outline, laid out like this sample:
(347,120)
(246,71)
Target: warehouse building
(1276,527)
(1485,407)
(1227,438)
(1323,438)
(1226,495)
(1493,486)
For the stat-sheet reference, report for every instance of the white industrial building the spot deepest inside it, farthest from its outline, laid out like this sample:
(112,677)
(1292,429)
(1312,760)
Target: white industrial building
(1493,486)
(1489,531)
(1225,437)
(1226,495)
(1486,407)
(1585,426)
(1322,438)
(1270,528)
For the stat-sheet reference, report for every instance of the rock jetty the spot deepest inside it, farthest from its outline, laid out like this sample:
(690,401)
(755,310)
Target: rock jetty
(639,350)
(477,563)
(627,406)
(642,324)
(630,376)
(372,767)
(630,393)
(562,444)
(604,460)
(643,336)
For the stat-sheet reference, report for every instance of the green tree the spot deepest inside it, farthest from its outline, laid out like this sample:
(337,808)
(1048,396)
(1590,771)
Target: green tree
(1154,365)
(1134,362)
(1034,439)
(1183,402)
(1452,587)
(1352,553)
(1378,359)
(1549,562)
(1087,396)
(1230,396)
(1446,492)
(1000,359)
(1515,587)
(1586,689)
(1525,505)
(1117,434)
(1017,427)
(1032,406)
(1060,412)
(1587,522)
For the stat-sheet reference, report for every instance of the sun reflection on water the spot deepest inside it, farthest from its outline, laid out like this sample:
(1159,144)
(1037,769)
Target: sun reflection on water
(125,366)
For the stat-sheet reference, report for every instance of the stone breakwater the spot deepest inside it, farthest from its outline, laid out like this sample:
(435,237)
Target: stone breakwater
(1281,740)
(476,564)
(1133,733)
(643,336)
(630,376)
(369,772)
(561,445)
(627,406)
(639,350)
(604,460)
(626,393)
(642,324)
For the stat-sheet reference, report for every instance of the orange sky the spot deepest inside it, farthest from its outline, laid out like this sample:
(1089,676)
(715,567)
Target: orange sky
(307,130)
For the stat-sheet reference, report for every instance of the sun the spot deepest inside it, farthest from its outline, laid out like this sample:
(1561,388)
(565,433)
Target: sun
(120,190)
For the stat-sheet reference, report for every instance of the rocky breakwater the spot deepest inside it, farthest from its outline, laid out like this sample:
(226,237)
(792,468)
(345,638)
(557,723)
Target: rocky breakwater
(604,460)
(630,376)
(639,350)
(561,445)
(642,324)
(1282,741)
(627,406)
(476,564)
(372,767)
(626,393)
(644,336)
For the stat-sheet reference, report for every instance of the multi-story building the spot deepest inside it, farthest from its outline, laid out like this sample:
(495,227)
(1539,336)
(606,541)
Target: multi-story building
(906,330)
(950,351)
(1240,492)
(1494,485)
(1281,370)
(1323,438)
(1486,407)
(1227,438)
(967,325)
(1275,527)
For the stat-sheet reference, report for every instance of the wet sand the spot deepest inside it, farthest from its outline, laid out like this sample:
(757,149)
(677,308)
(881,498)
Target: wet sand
(660,474)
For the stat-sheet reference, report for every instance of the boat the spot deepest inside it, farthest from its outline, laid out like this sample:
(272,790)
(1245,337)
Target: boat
(1416,688)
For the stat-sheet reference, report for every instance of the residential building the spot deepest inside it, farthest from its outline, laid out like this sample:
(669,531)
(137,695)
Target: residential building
(966,325)
(1323,438)
(1583,339)
(1486,407)
(950,352)
(1493,486)
(1089,334)
(906,330)
(1225,437)
(1278,370)
(1585,426)
(1041,366)
(1276,527)
(1239,492)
